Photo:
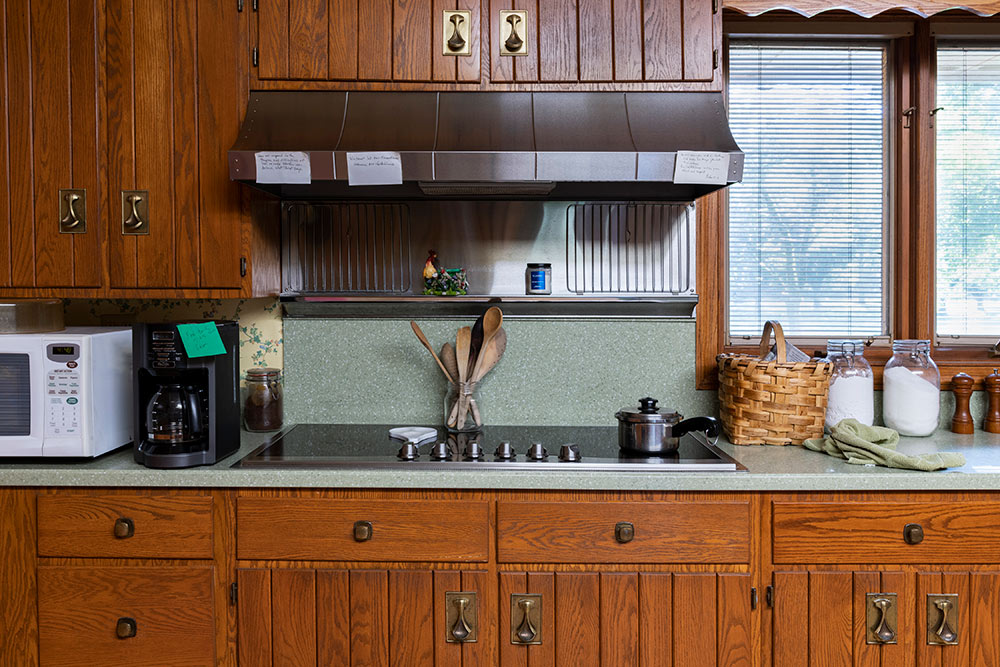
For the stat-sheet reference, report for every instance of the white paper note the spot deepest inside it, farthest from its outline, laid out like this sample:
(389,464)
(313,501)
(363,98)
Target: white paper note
(702,167)
(374,168)
(283,167)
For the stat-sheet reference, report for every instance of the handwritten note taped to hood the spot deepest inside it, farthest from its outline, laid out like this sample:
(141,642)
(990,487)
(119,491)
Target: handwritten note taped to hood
(283,167)
(701,167)
(374,168)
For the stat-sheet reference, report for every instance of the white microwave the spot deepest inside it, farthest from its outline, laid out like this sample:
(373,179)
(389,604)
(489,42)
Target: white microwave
(65,393)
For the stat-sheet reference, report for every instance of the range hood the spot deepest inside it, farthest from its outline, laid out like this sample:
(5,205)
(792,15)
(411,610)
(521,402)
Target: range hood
(594,146)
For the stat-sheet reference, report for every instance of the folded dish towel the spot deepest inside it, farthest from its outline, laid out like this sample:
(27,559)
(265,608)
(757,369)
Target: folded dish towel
(876,445)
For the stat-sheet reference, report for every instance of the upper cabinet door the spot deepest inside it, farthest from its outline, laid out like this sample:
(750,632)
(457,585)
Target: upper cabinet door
(50,143)
(176,95)
(374,40)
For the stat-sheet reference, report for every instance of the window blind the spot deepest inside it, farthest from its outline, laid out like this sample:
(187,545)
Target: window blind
(806,225)
(968,191)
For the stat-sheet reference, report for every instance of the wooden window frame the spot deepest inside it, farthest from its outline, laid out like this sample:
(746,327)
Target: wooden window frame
(912,246)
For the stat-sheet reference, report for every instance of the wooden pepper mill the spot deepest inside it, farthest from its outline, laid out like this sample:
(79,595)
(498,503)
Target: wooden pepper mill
(961,386)
(992,385)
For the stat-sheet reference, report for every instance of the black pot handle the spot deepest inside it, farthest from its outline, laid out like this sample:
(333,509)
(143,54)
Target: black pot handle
(709,425)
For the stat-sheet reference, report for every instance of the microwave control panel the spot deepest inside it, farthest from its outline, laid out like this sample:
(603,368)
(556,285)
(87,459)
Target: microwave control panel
(62,390)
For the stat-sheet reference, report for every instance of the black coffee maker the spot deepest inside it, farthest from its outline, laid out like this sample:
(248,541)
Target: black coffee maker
(187,410)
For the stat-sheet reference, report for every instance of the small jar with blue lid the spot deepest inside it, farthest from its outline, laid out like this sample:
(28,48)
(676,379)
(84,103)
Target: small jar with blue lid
(538,279)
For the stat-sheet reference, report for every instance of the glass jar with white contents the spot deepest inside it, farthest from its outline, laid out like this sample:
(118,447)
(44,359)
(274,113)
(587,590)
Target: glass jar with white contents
(911,398)
(852,383)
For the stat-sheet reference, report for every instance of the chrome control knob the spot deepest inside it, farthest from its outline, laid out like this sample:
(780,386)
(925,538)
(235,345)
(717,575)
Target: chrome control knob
(570,452)
(536,452)
(441,451)
(504,451)
(473,450)
(408,452)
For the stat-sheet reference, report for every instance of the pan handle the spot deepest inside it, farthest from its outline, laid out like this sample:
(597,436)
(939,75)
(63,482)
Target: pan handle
(709,425)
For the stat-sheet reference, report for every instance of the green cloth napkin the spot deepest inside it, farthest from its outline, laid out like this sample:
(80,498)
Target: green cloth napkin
(876,445)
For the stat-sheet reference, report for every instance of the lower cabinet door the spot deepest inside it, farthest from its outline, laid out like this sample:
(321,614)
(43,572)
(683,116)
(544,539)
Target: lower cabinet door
(366,618)
(887,618)
(141,615)
(614,619)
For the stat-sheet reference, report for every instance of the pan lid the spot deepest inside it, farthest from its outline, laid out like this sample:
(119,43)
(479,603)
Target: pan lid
(648,413)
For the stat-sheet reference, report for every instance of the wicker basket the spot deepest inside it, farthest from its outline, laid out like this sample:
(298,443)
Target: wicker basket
(772,402)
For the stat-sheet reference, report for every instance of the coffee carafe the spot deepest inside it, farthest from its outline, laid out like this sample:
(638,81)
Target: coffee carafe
(173,417)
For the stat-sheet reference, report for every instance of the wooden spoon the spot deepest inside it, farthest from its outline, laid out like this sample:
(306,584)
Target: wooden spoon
(476,344)
(449,359)
(462,341)
(492,321)
(423,339)
(491,354)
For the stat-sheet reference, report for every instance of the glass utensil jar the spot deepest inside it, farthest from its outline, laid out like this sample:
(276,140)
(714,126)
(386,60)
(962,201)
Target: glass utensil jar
(852,383)
(461,408)
(912,389)
(264,406)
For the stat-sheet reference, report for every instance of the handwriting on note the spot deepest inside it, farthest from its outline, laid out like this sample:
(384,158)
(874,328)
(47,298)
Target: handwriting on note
(201,339)
(701,167)
(374,168)
(290,167)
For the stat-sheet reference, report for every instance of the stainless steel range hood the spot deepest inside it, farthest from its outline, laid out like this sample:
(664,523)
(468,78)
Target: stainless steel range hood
(474,145)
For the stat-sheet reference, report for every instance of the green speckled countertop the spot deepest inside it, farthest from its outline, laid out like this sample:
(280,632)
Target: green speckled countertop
(769,469)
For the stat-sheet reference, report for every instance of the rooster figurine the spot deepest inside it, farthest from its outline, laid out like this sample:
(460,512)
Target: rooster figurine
(431,268)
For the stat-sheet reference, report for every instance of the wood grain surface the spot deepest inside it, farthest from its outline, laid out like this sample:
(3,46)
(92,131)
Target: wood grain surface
(582,532)
(411,618)
(308,31)
(343,39)
(79,606)
(411,40)
(861,532)
(18,589)
(303,529)
(255,617)
(293,612)
(166,525)
(272,30)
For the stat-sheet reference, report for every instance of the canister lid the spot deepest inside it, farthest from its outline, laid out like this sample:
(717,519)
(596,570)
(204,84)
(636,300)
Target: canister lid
(648,413)
(263,373)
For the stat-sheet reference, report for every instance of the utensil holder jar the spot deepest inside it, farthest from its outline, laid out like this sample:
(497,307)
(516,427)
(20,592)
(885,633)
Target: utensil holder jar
(462,413)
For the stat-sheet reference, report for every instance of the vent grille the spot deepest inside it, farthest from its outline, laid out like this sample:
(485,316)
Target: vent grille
(15,399)
(349,248)
(630,248)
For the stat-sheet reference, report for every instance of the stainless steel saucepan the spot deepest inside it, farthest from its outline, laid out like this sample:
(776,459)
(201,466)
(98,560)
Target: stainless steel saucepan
(650,431)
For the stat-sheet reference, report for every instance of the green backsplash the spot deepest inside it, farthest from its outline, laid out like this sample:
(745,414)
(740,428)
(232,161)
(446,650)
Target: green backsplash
(553,372)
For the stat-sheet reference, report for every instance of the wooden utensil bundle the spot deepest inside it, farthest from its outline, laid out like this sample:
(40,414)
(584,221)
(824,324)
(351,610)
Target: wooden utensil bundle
(477,350)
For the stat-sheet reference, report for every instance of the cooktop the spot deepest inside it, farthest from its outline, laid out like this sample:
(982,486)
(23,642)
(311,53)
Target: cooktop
(521,448)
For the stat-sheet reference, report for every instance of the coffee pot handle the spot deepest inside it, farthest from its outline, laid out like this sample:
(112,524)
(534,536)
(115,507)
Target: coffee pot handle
(709,425)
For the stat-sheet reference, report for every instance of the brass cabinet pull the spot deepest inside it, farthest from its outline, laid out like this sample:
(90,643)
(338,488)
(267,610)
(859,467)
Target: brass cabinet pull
(881,618)
(514,45)
(944,629)
(513,41)
(363,531)
(461,630)
(624,532)
(526,632)
(913,533)
(124,527)
(525,618)
(456,42)
(883,632)
(73,210)
(460,617)
(126,627)
(133,221)
(71,219)
(135,212)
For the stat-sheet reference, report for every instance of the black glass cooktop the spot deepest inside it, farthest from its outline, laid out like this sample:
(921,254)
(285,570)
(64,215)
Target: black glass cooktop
(529,448)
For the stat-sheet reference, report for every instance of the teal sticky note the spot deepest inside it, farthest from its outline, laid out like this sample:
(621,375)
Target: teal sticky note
(201,339)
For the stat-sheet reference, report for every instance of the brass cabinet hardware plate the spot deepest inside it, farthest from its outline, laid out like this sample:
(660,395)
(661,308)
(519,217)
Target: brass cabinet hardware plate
(363,531)
(73,211)
(525,619)
(455,36)
(135,212)
(624,532)
(942,619)
(881,614)
(512,33)
(461,617)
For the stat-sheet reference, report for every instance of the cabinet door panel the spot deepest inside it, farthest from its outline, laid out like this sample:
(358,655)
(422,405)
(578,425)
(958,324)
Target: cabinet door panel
(628,40)
(411,622)
(293,607)
(411,40)
(469,67)
(272,39)
(698,40)
(830,627)
(694,614)
(734,621)
(333,616)
(343,39)
(255,617)
(619,619)
(663,40)
(596,29)
(655,620)
(790,646)
(578,611)
(526,66)
(375,40)
(557,40)
(308,51)
(984,621)
(501,68)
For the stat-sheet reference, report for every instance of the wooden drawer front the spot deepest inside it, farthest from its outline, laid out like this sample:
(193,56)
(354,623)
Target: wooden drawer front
(872,532)
(664,532)
(165,526)
(79,610)
(324,529)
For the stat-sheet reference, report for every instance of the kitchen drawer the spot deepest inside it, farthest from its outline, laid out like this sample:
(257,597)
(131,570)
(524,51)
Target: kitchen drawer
(79,612)
(873,532)
(325,529)
(162,526)
(663,532)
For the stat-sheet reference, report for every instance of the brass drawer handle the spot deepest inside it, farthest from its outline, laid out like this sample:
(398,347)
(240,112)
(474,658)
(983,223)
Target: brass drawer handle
(913,533)
(513,41)
(883,632)
(460,617)
(71,219)
(945,630)
(456,42)
(461,630)
(624,532)
(126,627)
(124,527)
(363,531)
(526,632)
(135,212)
(133,221)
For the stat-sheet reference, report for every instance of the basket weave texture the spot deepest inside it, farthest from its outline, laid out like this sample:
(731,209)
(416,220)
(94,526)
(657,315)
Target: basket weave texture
(772,402)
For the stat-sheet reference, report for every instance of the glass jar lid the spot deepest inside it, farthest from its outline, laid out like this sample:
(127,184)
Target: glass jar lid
(263,373)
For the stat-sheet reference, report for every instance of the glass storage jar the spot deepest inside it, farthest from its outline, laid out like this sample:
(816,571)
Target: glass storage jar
(461,408)
(264,406)
(911,399)
(852,383)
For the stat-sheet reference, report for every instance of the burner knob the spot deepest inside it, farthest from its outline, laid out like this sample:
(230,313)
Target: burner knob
(536,452)
(570,452)
(473,450)
(408,452)
(504,451)
(440,451)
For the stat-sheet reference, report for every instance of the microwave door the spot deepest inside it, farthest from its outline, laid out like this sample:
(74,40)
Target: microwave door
(22,392)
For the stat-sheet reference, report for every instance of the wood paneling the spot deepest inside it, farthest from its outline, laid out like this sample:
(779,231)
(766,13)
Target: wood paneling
(558,54)
(526,66)
(443,67)
(656,620)
(411,618)
(619,606)
(308,29)
(697,40)
(596,28)
(185,152)
(482,653)
(411,40)
(501,68)
(901,653)
(857,532)
(511,583)
(20,132)
(628,44)
(983,619)
(166,526)
(255,617)
(273,47)
(369,618)
(303,529)
(830,618)
(375,40)
(544,654)
(679,532)
(18,612)
(578,612)
(79,607)
(6,259)
(790,624)
(694,615)
(469,67)
(343,39)
(663,40)
(447,654)
(293,612)
(735,625)
(333,617)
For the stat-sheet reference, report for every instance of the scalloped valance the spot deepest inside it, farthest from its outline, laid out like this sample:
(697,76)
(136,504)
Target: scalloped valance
(865,8)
